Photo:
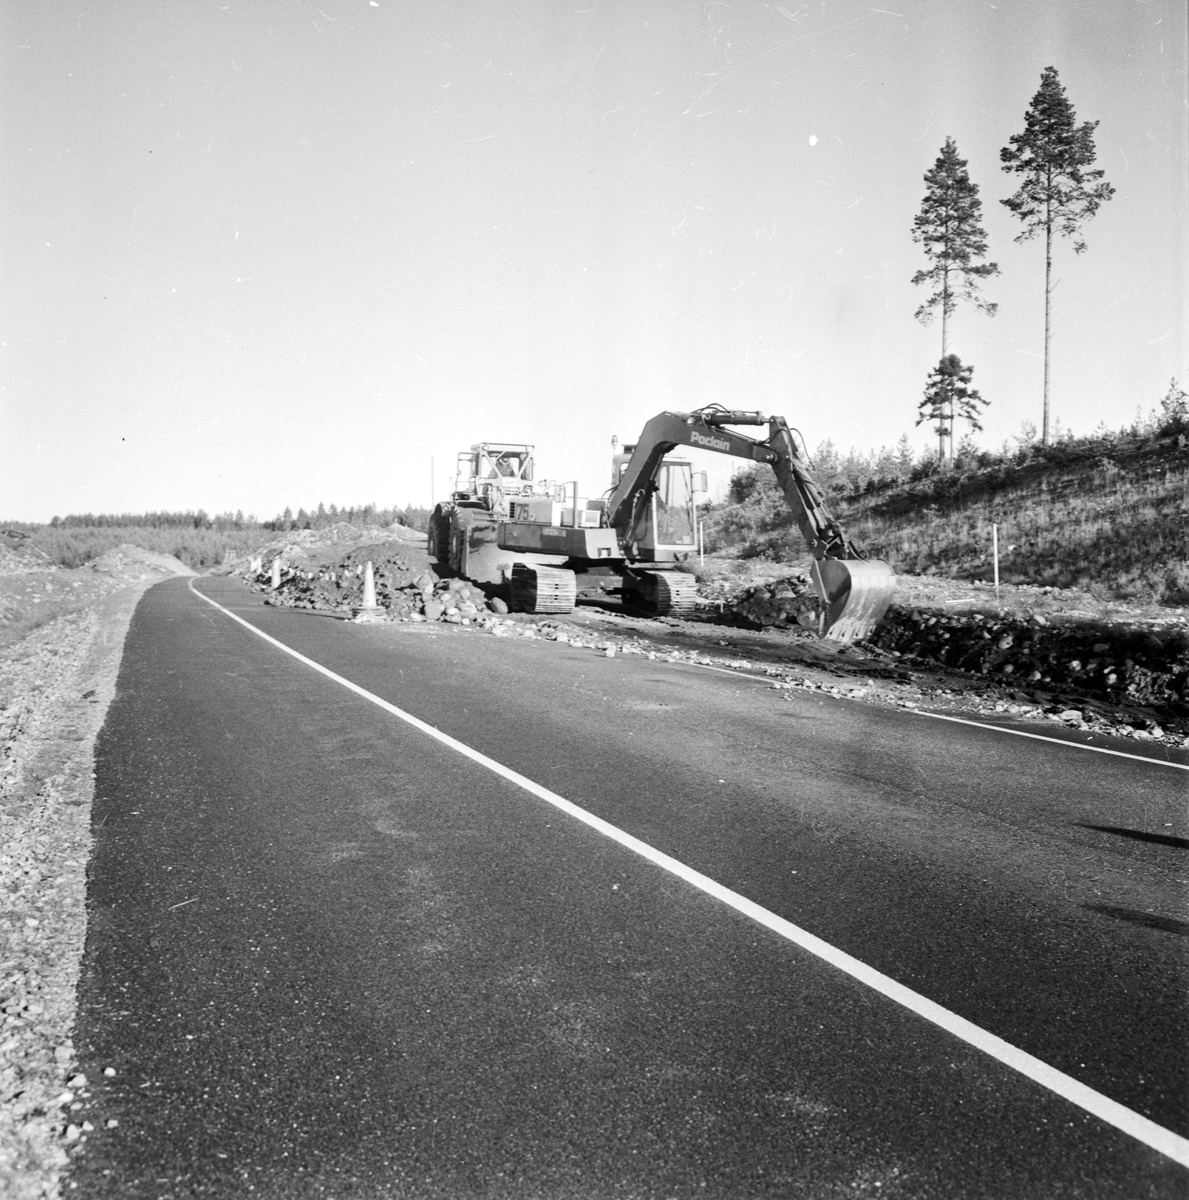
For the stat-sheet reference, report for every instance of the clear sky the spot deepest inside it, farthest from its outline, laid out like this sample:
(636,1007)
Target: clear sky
(267,252)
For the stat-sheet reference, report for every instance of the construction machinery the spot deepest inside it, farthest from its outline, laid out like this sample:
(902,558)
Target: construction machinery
(551,547)
(493,481)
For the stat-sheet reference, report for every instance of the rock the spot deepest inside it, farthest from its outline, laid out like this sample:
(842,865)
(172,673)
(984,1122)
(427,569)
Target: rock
(434,610)
(497,605)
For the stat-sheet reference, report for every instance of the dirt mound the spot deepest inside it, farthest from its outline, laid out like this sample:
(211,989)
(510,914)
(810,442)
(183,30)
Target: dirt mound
(18,555)
(136,563)
(1118,664)
(407,586)
(782,603)
(321,547)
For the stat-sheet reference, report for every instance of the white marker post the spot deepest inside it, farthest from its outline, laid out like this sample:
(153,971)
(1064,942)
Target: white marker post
(995,557)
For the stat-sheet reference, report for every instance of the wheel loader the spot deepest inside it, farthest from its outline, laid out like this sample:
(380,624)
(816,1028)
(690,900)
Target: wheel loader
(552,547)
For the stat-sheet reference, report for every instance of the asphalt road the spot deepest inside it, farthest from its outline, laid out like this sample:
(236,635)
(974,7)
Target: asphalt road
(328,955)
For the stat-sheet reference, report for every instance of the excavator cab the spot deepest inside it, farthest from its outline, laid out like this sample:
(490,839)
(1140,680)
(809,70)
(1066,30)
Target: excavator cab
(666,529)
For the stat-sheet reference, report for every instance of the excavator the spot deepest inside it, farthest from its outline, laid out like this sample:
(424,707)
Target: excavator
(551,547)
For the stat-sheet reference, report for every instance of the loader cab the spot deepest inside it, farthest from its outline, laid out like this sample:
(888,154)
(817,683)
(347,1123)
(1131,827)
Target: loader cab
(491,471)
(666,530)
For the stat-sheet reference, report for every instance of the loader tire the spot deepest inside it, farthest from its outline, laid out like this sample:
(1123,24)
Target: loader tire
(437,540)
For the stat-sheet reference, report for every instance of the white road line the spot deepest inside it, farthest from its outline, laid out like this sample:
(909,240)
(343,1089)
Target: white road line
(1040,737)
(1122,1118)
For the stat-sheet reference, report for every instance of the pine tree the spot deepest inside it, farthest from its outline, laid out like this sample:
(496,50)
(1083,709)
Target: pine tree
(948,398)
(1057,192)
(904,457)
(950,230)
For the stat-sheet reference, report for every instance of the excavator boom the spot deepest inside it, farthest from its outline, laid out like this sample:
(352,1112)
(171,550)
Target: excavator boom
(855,590)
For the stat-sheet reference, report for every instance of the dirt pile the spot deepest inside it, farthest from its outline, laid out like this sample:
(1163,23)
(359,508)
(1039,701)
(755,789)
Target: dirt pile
(1055,647)
(1117,664)
(773,603)
(323,547)
(407,587)
(130,563)
(18,555)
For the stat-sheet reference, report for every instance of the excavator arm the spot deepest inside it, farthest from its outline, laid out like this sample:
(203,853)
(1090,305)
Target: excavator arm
(855,590)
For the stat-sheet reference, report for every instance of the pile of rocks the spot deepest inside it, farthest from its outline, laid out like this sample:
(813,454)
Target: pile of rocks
(776,603)
(405,589)
(1118,664)
(19,556)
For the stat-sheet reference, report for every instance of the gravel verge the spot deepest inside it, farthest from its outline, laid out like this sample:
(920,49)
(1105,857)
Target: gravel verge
(61,638)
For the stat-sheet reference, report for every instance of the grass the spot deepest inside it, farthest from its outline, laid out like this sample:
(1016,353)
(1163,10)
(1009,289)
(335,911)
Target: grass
(1112,521)
(1114,526)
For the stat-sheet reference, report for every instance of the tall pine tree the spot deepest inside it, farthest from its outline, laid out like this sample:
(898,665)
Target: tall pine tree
(949,228)
(1057,192)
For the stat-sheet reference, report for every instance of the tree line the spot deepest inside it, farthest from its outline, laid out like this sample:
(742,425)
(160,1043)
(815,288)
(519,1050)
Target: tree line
(413,516)
(157,520)
(1057,194)
(321,517)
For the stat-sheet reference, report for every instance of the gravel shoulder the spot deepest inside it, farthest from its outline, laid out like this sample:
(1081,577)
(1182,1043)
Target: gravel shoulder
(61,638)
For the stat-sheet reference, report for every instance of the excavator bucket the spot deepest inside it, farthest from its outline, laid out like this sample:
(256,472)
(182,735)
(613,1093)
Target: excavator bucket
(856,593)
